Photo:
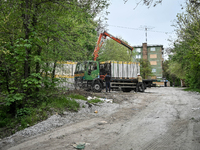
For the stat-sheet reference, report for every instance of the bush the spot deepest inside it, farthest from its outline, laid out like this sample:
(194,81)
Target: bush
(65,103)
(95,101)
(77,96)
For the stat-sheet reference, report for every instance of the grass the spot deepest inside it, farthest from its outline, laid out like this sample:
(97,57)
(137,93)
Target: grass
(65,104)
(193,90)
(77,96)
(95,101)
(30,116)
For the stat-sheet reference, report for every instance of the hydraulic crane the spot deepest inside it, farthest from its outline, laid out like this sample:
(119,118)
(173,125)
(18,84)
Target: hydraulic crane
(100,43)
(90,74)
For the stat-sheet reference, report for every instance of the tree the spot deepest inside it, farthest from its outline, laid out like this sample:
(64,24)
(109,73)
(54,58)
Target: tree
(145,68)
(35,36)
(186,51)
(154,3)
(111,50)
(171,76)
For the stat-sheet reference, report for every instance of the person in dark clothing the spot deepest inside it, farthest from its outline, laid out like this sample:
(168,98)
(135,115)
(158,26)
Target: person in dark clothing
(107,79)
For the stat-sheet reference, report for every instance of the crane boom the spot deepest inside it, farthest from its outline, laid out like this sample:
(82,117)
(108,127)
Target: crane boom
(100,43)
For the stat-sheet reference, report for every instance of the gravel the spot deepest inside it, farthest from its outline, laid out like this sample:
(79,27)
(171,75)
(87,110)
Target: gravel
(87,111)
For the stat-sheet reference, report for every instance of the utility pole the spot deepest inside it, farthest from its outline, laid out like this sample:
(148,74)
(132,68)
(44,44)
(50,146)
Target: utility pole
(146,29)
(146,33)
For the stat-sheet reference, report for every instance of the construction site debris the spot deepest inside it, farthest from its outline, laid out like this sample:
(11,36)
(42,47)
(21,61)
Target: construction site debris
(79,145)
(195,108)
(102,99)
(102,122)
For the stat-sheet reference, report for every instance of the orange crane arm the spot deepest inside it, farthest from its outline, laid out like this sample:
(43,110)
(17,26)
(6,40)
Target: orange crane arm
(100,43)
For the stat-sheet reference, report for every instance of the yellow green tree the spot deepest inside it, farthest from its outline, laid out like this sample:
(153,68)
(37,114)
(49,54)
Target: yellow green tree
(111,50)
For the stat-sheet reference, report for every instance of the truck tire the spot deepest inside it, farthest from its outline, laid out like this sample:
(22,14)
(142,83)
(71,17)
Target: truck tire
(97,87)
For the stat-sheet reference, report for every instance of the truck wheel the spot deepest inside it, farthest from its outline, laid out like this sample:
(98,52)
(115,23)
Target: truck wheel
(97,87)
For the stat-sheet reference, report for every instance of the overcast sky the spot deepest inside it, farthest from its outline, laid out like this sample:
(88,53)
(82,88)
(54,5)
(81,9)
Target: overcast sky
(129,23)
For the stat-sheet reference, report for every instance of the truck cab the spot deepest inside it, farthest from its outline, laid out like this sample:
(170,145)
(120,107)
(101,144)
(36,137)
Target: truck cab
(87,75)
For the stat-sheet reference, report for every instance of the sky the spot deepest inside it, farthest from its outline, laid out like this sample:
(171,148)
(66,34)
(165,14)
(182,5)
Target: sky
(128,23)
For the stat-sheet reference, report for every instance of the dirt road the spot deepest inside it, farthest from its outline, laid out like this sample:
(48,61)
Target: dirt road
(160,119)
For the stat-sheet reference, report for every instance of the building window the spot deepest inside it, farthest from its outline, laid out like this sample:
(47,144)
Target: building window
(138,56)
(153,62)
(153,70)
(138,50)
(153,55)
(152,49)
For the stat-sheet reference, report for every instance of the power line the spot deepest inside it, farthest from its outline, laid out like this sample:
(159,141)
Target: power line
(141,29)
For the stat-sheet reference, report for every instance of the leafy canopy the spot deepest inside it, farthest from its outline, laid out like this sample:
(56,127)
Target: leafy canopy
(111,50)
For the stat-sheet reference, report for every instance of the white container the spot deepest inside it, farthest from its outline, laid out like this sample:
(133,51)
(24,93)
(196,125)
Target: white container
(122,69)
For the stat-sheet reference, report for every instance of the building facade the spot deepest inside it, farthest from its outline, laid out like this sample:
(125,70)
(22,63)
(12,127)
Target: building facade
(153,53)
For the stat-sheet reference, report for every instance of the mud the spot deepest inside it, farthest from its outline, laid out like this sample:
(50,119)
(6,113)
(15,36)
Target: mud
(161,118)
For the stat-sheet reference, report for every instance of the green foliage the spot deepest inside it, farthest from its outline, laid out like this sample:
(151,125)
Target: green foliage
(33,81)
(145,68)
(111,50)
(192,89)
(171,76)
(65,103)
(184,63)
(13,98)
(23,112)
(4,119)
(29,116)
(77,96)
(96,100)
(33,41)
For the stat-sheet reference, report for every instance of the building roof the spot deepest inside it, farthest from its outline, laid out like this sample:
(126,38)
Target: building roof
(140,46)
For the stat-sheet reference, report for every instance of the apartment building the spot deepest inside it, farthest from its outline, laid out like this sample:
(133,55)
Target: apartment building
(154,53)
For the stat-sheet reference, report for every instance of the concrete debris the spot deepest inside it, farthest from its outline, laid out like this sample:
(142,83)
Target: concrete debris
(102,122)
(87,144)
(102,99)
(106,100)
(195,108)
(89,98)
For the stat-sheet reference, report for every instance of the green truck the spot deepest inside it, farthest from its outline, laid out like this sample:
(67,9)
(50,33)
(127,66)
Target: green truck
(90,75)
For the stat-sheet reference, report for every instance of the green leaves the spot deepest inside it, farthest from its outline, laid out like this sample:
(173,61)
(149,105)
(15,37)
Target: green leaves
(111,50)
(35,80)
(184,62)
(145,68)
(36,35)
(14,97)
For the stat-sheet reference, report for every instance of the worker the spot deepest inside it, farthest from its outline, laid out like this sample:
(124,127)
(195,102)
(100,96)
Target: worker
(139,78)
(107,79)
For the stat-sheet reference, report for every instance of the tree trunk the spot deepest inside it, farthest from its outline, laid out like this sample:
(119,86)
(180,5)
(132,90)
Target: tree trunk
(26,23)
(54,70)
(38,65)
